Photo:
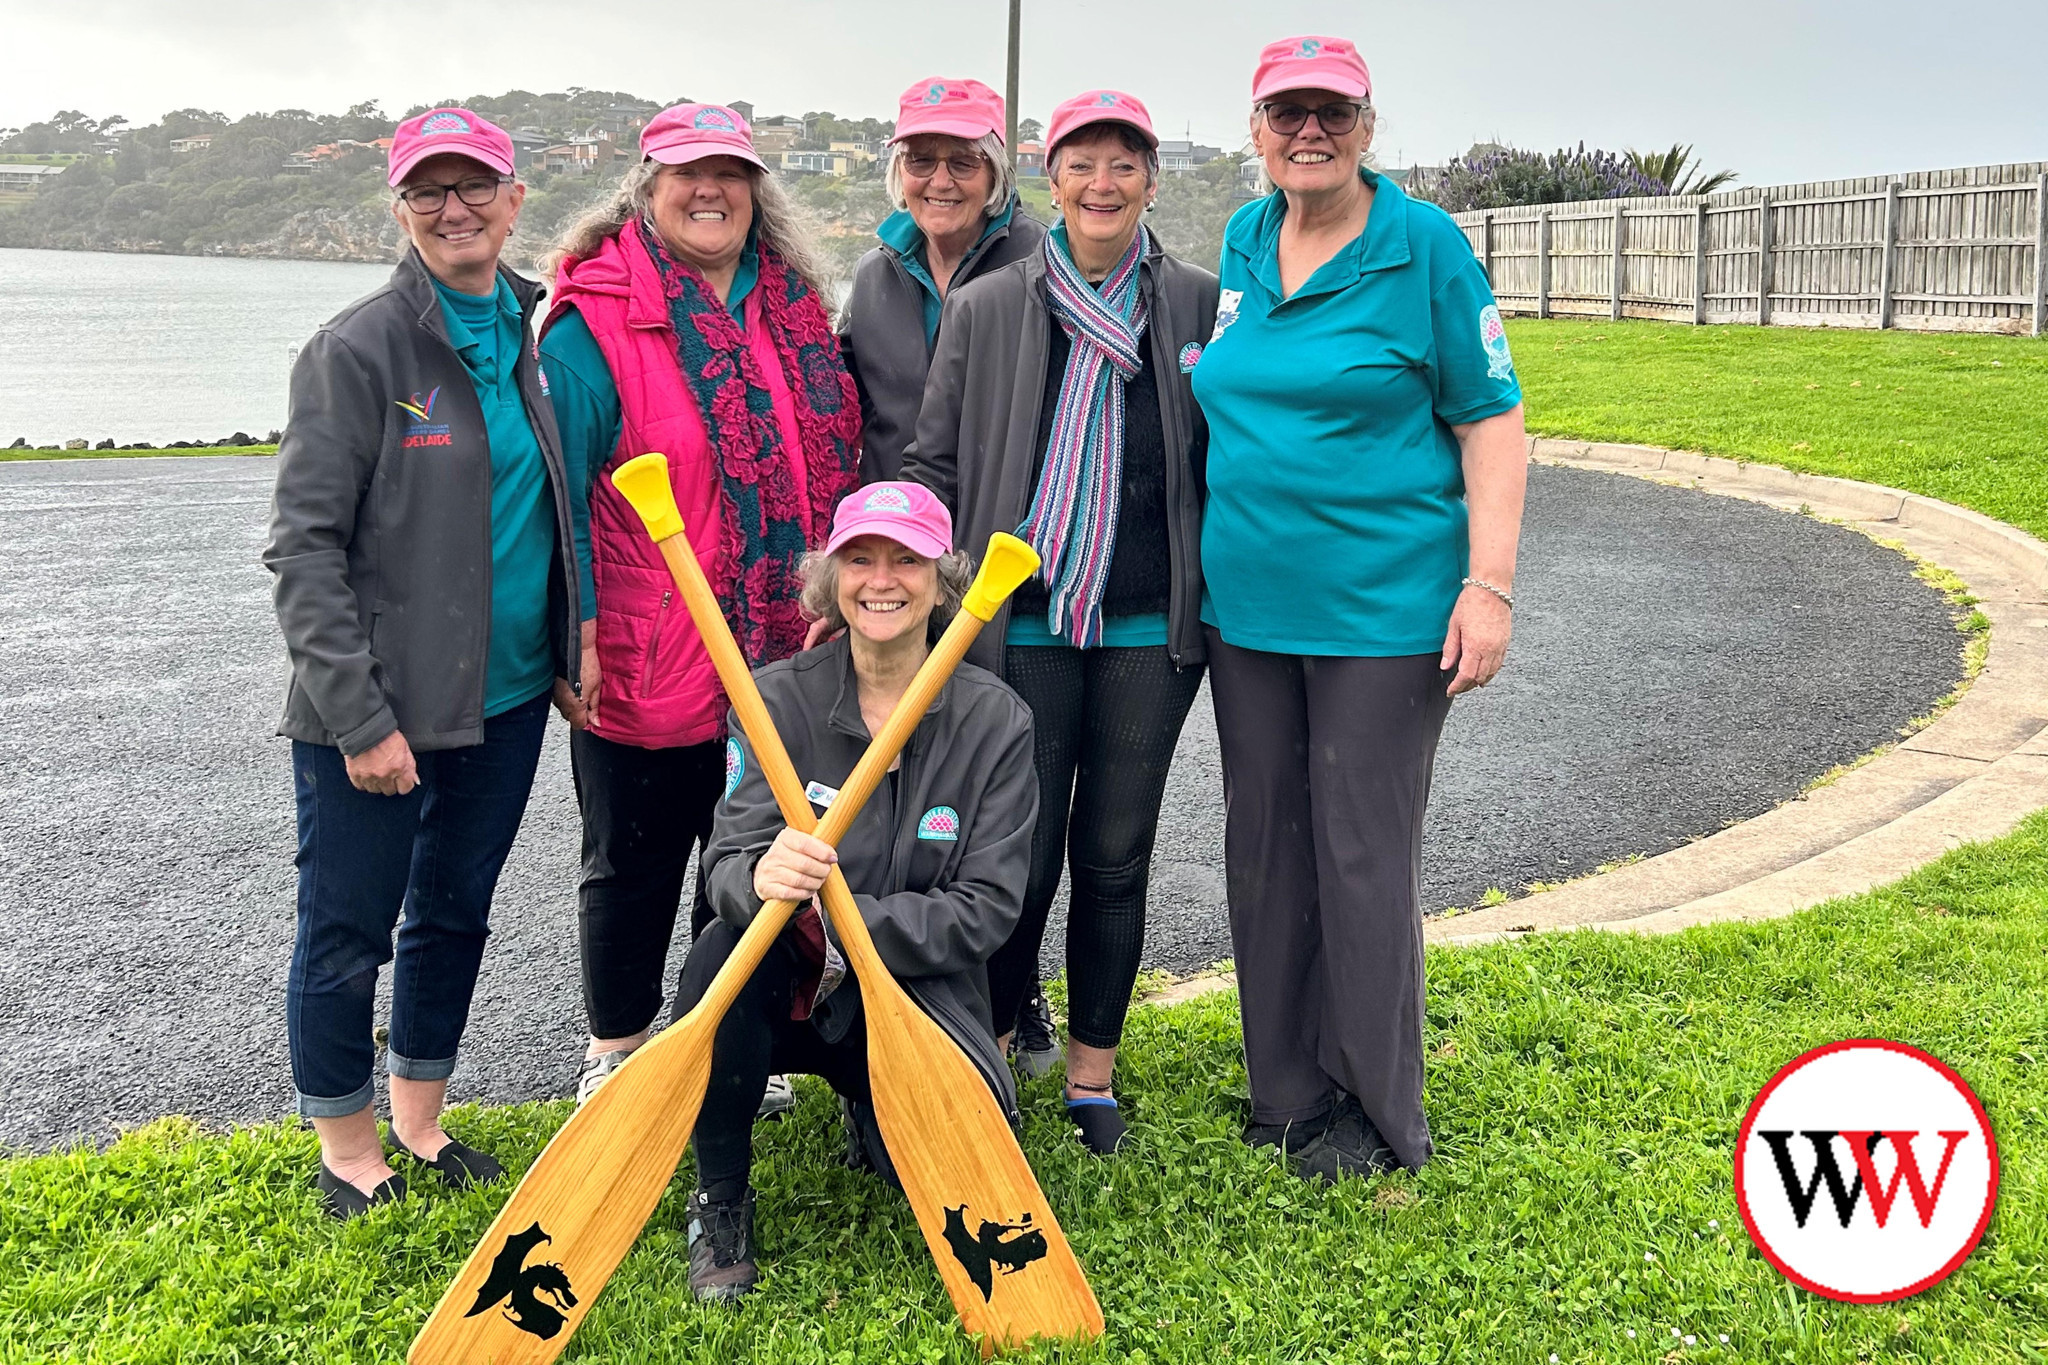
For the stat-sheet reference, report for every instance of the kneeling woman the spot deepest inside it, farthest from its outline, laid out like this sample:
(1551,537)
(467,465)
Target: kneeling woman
(937,859)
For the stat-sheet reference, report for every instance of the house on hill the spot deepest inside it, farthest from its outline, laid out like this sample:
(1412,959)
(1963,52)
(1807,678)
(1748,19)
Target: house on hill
(26,181)
(198,142)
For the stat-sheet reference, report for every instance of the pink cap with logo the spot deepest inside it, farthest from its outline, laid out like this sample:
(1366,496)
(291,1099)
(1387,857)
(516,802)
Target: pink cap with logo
(1311,62)
(966,109)
(445,132)
(1099,106)
(683,133)
(907,513)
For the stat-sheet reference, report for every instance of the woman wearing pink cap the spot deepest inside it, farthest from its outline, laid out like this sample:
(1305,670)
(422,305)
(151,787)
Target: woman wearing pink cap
(1363,409)
(957,219)
(1059,406)
(937,860)
(689,318)
(422,540)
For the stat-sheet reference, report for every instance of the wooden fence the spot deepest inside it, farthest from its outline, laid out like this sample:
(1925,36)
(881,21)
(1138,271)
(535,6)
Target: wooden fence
(1956,250)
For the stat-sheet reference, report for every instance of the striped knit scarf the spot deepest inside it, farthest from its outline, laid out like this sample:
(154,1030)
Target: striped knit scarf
(1072,523)
(755,575)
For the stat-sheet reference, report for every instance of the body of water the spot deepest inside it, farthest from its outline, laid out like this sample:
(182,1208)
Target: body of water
(157,348)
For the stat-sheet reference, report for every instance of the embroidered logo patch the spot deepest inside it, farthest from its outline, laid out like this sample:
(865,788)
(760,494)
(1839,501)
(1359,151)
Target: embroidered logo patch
(935,92)
(820,795)
(735,765)
(887,500)
(443,124)
(1189,354)
(423,430)
(941,823)
(1226,312)
(1107,99)
(1494,336)
(714,117)
(1310,47)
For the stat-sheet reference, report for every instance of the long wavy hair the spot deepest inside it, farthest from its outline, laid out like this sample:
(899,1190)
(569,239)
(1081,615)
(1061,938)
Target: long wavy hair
(776,226)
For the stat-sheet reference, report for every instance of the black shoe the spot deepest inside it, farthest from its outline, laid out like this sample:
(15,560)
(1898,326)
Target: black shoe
(722,1246)
(1291,1137)
(339,1199)
(459,1167)
(1097,1124)
(1034,1046)
(865,1150)
(1350,1146)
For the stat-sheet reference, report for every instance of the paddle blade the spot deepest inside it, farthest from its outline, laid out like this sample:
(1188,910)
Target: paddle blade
(644,481)
(998,1248)
(522,1293)
(1007,564)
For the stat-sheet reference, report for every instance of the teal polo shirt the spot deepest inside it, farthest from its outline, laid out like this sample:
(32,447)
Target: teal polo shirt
(587,413)
(1336,516)
(486,331)
(901,234)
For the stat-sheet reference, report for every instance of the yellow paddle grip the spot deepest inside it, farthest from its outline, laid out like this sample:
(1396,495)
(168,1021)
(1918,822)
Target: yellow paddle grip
(644,481)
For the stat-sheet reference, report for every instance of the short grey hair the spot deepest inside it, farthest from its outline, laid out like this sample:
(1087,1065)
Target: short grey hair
(990,145)
(1368,115)
(819,573)
(1133,142)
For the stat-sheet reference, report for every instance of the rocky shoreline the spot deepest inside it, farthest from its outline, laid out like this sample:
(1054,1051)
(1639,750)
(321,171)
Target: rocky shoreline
(238,439)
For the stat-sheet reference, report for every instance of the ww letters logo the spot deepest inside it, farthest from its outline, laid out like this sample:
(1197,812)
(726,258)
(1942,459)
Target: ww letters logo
(1866,1171)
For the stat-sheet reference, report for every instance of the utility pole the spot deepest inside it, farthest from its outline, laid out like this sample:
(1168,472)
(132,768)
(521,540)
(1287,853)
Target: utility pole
(1010,89)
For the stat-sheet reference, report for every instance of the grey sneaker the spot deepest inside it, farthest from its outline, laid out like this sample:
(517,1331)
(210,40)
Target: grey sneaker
(1350,1146)
(722,1247)
(778,1099)
(1035,1047)
(594,1072)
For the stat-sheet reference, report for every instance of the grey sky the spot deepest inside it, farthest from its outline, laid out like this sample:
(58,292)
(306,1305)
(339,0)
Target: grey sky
(1792,90)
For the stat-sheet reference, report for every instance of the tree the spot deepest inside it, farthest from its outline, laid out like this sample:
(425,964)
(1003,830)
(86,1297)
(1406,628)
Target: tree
(1029,130)
(1671,168)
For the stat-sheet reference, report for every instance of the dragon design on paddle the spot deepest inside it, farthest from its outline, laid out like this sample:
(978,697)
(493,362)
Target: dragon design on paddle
(520,1285)
(991,1245)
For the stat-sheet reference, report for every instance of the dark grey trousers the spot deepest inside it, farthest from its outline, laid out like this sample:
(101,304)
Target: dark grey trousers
(1326,769)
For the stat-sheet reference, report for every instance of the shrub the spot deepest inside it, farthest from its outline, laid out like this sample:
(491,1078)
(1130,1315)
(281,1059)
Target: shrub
(1503,177)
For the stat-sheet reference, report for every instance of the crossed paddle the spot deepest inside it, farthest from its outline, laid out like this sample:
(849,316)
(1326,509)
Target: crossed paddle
(998,1248)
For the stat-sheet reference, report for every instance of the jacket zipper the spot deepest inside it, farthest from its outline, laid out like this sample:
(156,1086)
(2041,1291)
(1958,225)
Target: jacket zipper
(654,642)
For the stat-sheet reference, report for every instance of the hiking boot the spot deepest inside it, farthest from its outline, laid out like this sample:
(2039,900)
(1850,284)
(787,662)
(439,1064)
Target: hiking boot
(1350,1146)
(865,1150)
(778,1099)
(1291,1137)
(1034,1047)
(722,1246)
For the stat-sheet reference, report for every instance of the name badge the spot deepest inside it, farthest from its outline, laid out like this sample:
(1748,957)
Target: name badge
(820,795)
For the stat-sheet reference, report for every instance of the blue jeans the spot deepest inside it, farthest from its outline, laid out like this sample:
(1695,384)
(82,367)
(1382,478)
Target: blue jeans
(436,853)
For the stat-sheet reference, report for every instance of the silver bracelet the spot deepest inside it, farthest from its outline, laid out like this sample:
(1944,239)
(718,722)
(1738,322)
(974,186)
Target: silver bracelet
(1502,594)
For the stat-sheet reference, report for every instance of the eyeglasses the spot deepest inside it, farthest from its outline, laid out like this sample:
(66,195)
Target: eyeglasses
(961,164)
(1336,119)
(476,191)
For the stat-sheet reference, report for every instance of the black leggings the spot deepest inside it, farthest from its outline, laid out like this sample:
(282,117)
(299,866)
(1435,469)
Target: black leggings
(1104,723)
(643,811)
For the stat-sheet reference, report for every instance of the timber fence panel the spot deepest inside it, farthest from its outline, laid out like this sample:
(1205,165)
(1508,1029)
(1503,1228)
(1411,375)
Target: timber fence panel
(1954,250)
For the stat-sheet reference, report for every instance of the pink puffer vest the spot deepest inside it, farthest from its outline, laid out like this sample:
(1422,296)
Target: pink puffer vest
(659,689)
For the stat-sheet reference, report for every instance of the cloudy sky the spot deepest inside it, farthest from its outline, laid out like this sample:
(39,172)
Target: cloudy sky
(1781,90)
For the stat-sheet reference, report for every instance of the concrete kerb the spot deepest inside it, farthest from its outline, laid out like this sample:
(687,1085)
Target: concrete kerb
(1972,775)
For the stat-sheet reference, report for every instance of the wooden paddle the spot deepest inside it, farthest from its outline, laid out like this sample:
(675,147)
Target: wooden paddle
(522,1293)
(999,1249)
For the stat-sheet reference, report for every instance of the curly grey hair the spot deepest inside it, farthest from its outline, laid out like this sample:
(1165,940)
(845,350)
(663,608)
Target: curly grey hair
(776,226)
(1125,133)
(819,573)
(992,150)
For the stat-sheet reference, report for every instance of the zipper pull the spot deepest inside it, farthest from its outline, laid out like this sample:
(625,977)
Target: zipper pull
(666,593)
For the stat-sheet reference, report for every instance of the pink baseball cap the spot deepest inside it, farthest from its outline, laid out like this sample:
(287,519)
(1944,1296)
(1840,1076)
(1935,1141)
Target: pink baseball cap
(457,132)
(907,513)
(966,109)
(683,133)
(1099,106)
(1311,62)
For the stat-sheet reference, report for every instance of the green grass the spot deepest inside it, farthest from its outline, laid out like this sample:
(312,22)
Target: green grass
(1961,418)
(132,454)
(1585,1091)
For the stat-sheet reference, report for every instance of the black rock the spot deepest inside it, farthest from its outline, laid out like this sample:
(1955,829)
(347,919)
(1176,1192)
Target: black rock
(20,443)
(107,444)
(240,438)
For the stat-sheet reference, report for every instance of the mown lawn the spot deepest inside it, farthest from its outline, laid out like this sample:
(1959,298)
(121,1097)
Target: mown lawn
(1963,418)
(1585,1091)
(132,454)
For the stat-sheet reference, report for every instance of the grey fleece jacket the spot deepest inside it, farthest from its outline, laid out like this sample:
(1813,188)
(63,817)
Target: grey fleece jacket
(978,432)
(380,528)
(938,857)
(883,339)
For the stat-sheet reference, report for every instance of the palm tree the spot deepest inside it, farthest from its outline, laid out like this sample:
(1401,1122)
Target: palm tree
(1671,167)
